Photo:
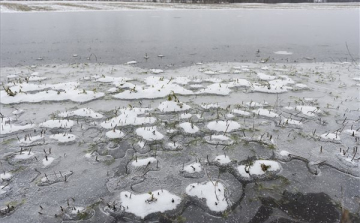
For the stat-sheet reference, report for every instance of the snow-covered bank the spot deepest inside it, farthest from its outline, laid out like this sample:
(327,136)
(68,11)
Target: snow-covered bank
(75,6)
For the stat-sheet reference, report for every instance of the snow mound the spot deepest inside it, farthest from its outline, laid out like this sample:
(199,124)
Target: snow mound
(143,162)
(222,159)
(129,116)
(142,205)
(265,112)
(308,110)
(7,126)
(241,112)
(171,106)
(259,167)
(57,124)
(213,192)
(149,133)
(193,168)
(114,134)
(189,127)
(82,112)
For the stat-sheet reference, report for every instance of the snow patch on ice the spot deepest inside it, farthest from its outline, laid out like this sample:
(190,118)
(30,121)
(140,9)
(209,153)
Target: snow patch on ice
(213,192)
(258,167)
(222,159)
(57,124)
(143,162)
(193,168)
(83,112)
(149,133)
(189,127)
(114,134)
(142,205)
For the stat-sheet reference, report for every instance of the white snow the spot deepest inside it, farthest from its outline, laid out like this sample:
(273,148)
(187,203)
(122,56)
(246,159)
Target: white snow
(24,155)
(193,168)
(57,124)
(83,112)
(131,62)
(189,127)
(118,81)
(142,205)
(255,168)
(223,126)
(171,106)
(283,52)
(129,116)
(174,145)
(143,162)
(301,86)
(77,210)
(239,83)
(5,176)
(241,112)
(331,136)
(9,128)
(256,104)
(149,133)
(222,159)
(185,115)
(308,110)
(268,88)
(217,89)
(17,112)
(266,77)
(2,190)
(73,95)
(29,87)
(210,106)
(284,153)
(31,139)
(115,134)
(156,71)
(63,137)
(210,72)
(212,191)
(37,78)
(291,121)
(48,161)
(157,88)
(56,92)
(230,116)
(265,112)
(220,137)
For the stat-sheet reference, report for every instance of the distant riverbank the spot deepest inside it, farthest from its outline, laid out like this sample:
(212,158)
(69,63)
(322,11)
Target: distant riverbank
(45,6)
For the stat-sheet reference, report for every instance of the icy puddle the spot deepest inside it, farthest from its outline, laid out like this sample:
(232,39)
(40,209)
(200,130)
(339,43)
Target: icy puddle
(221,142)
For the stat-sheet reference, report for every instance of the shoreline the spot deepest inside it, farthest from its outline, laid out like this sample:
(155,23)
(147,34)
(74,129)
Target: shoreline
(88,6)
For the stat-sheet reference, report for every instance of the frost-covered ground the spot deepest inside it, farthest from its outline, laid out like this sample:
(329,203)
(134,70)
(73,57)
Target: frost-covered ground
(64,6)
(212,142)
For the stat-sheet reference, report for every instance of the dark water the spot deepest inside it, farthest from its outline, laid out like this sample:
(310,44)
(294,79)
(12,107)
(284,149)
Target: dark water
(184,37)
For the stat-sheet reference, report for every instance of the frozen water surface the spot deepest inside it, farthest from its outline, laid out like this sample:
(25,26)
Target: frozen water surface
(176,124)
(303,32)
(163,158)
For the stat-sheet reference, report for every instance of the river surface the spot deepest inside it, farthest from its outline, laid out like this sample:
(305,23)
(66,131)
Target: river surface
(184,37)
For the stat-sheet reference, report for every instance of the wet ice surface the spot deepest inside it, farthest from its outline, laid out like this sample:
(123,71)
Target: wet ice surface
(184,37)
(229,153)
